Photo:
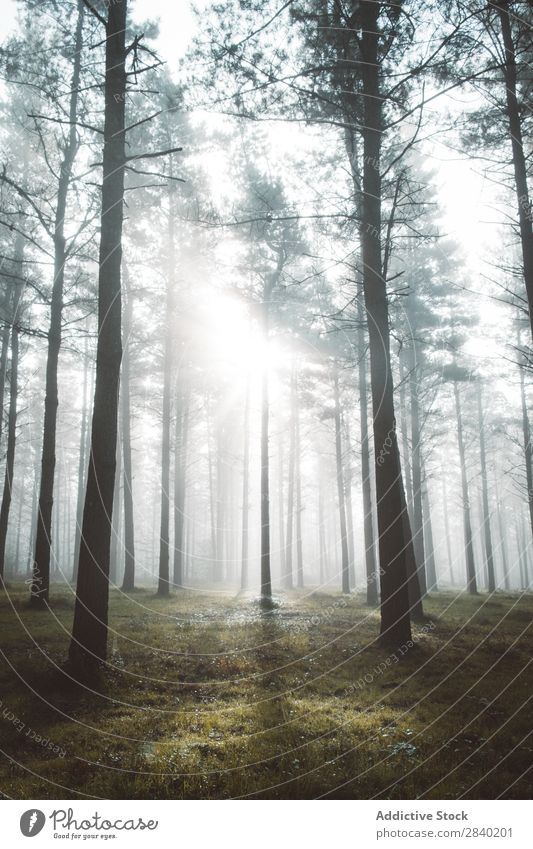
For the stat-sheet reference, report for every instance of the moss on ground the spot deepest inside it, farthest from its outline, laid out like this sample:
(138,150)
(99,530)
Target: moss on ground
(205,696)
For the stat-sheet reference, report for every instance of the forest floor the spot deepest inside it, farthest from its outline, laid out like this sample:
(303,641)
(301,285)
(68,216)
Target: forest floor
(205,697)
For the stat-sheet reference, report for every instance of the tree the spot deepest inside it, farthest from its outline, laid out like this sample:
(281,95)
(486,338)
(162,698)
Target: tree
(41,570)
(89,630)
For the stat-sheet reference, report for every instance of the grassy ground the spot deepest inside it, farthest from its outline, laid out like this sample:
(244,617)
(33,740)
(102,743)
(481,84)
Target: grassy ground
(205,697)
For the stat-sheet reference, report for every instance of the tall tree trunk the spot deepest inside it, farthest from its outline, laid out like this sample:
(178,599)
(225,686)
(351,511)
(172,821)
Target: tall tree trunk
(288,581)
(393,526)
(503,538)
(82,463)
(116,535)
(447,528)
(163,588)
(345,568)
(519,157)
(13,398)
(281,516)
(89,632)
(298,483)
(526,431)
(4,351)
(180,480)
(471,582)
(128,581)
(405,436)
(33,525)
(212,506)
(349,505)
(40,588)
(428,535)
(485,493)
(322,546)
(266,582)
(221,498)
(416,467)
(368,525)
(245,491)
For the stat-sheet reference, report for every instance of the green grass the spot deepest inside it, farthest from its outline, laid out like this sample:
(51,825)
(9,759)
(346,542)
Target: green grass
(207,697)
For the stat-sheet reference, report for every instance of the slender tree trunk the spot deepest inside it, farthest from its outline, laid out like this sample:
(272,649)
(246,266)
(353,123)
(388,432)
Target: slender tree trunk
(393,526)
(368,525)
(428,535)
(471,582)
(245,491)
(447,528)
(266,583)
(405,436)
(349,505)
(163,588)
(212,507)
(221,498)
(345,568)
(503,539)
(89,633)
(288,581)
(13,398)
(41,578)
(33,525)
(4,350)
(128,581)
(116,536)
(19,524)
(519,157)
(322,547)
(526,431)
(525,549)
(485,493)
(298,482)
(281,519)
(82,464)
(180,481)
(416,467)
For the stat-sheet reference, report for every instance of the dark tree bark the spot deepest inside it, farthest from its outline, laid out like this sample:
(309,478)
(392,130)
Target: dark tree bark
(491,580)
(368,526)
(128,581)
(89,632)
(393,525)
(40,588)
(525,216)
(471,582)
(345,566)
(7,493)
